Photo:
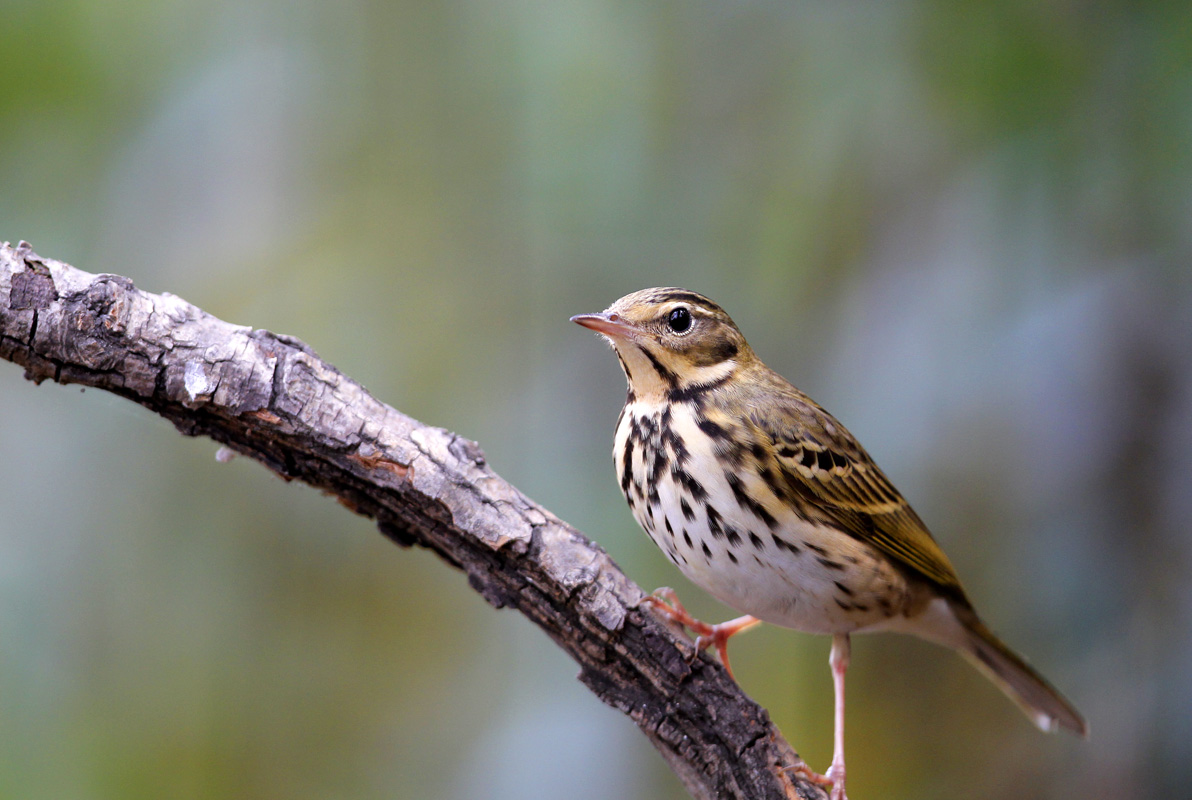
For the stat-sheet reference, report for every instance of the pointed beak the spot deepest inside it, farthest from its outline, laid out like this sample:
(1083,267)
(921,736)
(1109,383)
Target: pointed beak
(607,324)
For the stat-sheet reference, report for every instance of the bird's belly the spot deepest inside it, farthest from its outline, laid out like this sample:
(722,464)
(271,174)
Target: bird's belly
(748,550)
(819,581)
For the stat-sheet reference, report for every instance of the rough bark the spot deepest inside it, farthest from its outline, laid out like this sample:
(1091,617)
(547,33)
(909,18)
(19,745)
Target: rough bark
(268,396)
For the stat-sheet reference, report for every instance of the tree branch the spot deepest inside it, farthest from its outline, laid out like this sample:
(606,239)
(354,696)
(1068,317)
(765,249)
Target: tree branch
(270,397)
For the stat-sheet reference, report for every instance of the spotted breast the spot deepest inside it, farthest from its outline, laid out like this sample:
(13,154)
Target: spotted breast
(731,532)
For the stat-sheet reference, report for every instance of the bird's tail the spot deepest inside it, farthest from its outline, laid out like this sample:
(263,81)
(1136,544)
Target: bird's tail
(1046,707)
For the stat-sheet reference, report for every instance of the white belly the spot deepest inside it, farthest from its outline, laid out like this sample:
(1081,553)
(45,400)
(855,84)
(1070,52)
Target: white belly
(784,569)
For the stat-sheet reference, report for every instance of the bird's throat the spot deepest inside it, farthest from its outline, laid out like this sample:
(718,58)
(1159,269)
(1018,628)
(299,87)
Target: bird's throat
(659,376)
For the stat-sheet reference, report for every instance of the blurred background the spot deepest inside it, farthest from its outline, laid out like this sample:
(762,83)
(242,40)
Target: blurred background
(965,228)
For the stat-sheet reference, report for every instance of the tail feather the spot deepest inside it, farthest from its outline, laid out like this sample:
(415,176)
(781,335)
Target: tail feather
(1046,707)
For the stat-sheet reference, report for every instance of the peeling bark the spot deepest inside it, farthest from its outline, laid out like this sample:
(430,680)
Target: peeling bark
(269,397)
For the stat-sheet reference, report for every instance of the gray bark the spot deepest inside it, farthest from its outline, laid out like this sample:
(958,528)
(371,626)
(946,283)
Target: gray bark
(269,397)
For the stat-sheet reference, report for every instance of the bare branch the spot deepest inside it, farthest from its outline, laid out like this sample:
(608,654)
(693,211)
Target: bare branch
(270,397)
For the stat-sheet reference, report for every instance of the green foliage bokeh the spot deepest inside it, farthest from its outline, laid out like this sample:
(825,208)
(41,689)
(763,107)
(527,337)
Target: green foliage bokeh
(962,227)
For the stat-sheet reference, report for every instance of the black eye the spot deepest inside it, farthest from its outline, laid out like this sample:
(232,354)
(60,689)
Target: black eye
(679,320)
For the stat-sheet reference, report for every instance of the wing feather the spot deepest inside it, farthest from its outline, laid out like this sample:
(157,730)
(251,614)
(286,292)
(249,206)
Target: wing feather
(825,467)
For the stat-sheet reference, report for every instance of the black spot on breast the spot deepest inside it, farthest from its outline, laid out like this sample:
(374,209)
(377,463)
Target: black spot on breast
(658,466)
(707,552)
(687,538)
(685,507)
(731,557)
(714,523)
(815,548)
(627,465)
(756,541)
(828,563)
(647,427)
(745,500)
(782,544)
(712,429)
(843,588)
(734,538)
(732,451)
(693,487)
(678,449)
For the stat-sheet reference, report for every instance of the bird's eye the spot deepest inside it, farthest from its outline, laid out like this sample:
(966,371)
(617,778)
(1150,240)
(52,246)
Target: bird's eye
(679,320)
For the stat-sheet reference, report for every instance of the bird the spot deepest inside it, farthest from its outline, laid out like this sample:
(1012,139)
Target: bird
(767,502)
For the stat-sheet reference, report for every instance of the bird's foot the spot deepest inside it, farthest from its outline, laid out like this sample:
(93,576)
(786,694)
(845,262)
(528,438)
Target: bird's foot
(667,602)
(834,777)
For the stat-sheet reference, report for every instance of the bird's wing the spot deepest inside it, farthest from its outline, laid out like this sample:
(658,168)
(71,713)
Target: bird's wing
(823,465)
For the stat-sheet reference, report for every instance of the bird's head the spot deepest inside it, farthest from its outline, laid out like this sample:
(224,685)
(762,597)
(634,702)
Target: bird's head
(670,340)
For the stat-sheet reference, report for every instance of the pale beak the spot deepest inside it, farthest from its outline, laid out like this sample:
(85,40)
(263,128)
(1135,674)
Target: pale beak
(608,324)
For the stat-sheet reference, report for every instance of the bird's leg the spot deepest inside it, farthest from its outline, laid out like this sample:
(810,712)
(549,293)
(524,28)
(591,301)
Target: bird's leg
(667,602)
(834,777)
(838,660)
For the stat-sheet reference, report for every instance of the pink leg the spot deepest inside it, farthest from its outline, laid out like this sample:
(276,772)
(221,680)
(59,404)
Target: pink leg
(667,602)
(838,660)
(718,635)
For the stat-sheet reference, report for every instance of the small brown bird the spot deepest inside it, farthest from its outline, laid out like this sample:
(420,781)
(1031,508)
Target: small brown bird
(763,499)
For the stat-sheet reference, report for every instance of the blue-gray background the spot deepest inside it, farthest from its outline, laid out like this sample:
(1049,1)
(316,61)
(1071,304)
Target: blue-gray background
(963,227)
